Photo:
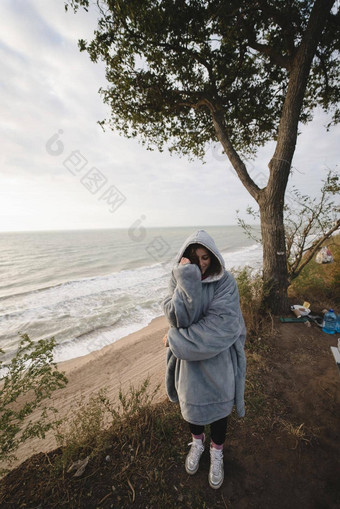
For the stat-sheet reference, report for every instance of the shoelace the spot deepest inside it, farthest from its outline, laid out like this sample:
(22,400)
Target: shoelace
(196,449)
(217,458)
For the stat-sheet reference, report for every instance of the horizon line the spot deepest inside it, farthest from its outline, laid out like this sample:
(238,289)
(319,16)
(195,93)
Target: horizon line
(119,228)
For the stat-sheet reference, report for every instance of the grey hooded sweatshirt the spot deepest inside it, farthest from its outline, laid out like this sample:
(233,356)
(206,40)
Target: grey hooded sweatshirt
(206,363)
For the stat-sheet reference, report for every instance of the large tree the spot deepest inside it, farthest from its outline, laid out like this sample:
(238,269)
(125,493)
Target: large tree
(184,73)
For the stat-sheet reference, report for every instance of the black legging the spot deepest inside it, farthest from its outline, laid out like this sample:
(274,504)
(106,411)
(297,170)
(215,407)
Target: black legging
(218,430)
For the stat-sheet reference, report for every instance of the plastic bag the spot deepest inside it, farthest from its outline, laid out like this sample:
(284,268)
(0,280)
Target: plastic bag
(324,255)
(300,310)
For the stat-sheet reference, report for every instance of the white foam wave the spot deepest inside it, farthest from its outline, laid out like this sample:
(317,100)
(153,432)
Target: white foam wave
(98,339)
(250,255)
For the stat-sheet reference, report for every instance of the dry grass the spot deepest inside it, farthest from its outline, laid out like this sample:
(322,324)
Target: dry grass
(259,322)
(297,432)
(319,284)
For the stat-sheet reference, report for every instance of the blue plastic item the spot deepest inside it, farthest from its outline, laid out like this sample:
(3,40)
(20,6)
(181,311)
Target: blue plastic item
(329,322)
(338,323)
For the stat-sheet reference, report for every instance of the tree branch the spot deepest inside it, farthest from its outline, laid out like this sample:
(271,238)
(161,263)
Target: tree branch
(291,234)
(283,21)
(314,248)
(279,59)
(302,243)
(279,165)
(234,158)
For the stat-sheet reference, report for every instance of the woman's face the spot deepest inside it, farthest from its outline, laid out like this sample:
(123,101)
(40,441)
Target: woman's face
(203,259)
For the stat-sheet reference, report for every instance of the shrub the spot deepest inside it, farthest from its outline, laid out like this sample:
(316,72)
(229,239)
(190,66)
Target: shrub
(250,285)
(29,380)
(317,283)
(89,430)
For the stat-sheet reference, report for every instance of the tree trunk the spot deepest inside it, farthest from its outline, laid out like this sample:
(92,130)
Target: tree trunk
(275,275)
(271,198)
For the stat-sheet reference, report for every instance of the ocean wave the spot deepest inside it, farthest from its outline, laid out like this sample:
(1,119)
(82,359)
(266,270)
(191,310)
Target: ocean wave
(87,313)
(99,338)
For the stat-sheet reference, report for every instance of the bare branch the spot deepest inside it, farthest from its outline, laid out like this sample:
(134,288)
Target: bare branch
(314,248)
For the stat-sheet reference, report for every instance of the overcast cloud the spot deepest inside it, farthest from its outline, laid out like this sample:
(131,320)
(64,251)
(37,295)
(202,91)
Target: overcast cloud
(49,89)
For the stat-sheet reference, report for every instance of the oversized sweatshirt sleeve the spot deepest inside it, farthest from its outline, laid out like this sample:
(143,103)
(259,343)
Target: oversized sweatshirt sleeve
(221,326)
(182,304)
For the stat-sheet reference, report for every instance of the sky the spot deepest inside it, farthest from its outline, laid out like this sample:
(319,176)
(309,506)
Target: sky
(59,170)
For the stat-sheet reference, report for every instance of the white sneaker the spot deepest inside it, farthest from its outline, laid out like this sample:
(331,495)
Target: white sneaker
(193,458)
(216,471)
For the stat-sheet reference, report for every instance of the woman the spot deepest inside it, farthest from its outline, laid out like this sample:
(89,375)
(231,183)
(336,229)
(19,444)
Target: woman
(205,362)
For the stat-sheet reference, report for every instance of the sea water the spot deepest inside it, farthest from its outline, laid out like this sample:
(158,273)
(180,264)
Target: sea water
(90,288)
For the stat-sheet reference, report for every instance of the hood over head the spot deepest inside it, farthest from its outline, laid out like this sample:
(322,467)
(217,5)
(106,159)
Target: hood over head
(203,238)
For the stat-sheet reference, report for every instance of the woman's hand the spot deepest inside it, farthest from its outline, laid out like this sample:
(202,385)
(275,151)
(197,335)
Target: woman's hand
(165,339)
(184,261)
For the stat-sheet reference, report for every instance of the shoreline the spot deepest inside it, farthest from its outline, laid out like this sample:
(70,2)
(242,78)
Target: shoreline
(69,365)
(124,363)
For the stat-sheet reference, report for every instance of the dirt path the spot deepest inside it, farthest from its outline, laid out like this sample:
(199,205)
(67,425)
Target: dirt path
(288,457)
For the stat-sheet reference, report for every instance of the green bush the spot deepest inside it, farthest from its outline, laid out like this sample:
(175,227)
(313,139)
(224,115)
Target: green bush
(29,380)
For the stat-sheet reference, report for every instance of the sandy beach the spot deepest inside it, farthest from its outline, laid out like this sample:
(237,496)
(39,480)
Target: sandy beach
(126,362)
